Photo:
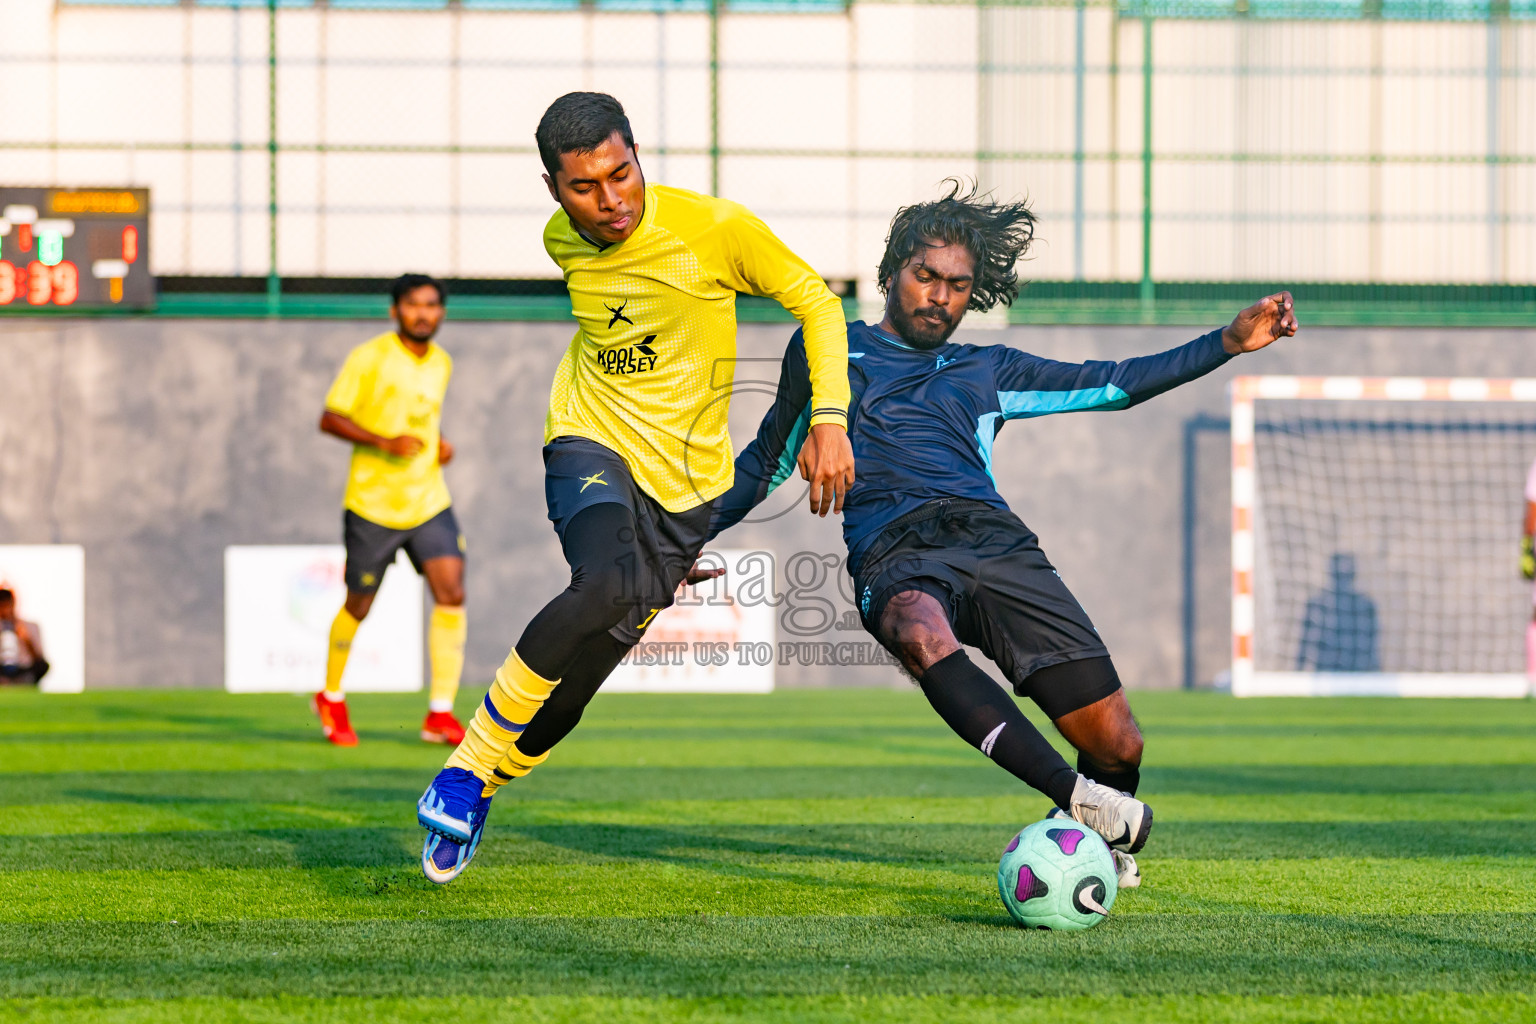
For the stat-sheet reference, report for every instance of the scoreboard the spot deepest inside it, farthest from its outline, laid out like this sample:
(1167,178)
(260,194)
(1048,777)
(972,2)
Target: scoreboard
(81,248)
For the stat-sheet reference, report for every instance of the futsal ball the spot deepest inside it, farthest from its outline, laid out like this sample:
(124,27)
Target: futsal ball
(1057,874)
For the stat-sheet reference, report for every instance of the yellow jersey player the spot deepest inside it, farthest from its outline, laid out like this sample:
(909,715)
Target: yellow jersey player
(636,448)
(387,401)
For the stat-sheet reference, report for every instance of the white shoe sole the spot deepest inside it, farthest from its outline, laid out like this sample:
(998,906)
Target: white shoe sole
(431,870)
(440,824)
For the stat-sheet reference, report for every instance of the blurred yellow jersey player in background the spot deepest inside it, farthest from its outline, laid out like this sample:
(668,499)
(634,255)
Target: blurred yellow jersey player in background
(636,451)
(388,402)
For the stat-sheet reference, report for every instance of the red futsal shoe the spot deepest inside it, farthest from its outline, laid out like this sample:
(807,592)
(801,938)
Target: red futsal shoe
(442,727)
(333,721)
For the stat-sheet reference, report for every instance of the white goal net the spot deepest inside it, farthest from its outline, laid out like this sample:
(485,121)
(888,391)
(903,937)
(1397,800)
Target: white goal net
(1375,535)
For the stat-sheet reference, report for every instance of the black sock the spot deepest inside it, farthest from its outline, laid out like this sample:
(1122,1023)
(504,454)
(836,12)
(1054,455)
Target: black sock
(1125,781)
(987,718)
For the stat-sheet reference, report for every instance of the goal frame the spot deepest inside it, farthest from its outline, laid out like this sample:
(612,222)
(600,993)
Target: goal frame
(1247,681)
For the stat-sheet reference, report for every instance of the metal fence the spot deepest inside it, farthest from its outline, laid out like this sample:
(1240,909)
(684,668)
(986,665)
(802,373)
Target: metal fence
(1166,146)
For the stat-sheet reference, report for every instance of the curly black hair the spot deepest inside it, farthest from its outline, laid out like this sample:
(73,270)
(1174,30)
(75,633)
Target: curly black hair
(997,235)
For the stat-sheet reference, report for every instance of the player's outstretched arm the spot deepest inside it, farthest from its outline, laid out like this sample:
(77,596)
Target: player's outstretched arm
(759,263)
(1031,386)
(334,423)
(1271,318)
(770,459)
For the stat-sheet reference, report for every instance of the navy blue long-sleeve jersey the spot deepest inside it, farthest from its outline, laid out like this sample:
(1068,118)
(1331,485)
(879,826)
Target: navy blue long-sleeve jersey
(922,421)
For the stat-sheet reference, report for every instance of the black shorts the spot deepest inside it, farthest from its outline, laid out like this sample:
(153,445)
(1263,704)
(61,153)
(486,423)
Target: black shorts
(578,474)
(371,548)
(1001,593)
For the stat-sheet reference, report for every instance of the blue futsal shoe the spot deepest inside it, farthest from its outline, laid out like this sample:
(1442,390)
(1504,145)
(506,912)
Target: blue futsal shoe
(443,860)
(453,812)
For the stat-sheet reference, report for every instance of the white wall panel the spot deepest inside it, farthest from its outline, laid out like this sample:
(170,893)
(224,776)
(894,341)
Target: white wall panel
(1386,129)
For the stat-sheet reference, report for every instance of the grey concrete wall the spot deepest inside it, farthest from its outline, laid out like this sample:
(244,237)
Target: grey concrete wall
(156,443)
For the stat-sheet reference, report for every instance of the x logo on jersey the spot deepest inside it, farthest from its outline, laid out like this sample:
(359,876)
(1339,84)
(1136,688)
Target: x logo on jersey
(618,314)
(595,478)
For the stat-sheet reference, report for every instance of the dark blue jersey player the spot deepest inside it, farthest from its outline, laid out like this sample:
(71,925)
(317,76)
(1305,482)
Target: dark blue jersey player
(937,558)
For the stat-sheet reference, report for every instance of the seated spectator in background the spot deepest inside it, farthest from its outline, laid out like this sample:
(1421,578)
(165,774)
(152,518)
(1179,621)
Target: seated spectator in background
(21,645)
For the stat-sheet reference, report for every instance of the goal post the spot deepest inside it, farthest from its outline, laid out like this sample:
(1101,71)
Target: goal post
(1375,523)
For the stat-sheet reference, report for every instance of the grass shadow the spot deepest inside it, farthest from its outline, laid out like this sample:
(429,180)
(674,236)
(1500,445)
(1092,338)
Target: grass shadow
(699,956)
(731,849)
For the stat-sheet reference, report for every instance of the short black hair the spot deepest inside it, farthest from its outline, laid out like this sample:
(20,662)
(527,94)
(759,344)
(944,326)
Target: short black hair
(997,235)
(579,122)
(407,283)
(7,594)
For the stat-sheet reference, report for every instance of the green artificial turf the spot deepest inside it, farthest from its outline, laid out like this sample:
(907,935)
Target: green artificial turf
(804,856)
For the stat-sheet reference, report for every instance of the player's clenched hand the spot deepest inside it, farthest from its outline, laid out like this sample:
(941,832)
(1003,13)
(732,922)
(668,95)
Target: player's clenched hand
(405,446)
(1271,318)
(444,451)
(826,460)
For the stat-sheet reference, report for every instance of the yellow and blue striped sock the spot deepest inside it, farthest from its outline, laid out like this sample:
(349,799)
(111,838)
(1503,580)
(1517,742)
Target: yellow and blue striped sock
(487,750)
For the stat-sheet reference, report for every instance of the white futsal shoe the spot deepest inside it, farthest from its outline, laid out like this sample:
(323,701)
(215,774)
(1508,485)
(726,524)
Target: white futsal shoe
(1121,819)
(1127,874)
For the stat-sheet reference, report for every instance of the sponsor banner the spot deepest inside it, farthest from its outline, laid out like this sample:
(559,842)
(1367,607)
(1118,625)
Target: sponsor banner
(279,601)
(49,581)
(717,638)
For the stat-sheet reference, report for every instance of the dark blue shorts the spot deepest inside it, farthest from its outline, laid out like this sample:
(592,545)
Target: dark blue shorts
(371,548)
(1001,593)
(578,474)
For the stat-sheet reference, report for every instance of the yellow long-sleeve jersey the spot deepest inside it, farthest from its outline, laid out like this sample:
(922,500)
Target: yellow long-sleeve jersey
(649,371)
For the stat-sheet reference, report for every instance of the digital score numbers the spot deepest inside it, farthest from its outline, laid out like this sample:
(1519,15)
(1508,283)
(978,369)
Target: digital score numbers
(83,248)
